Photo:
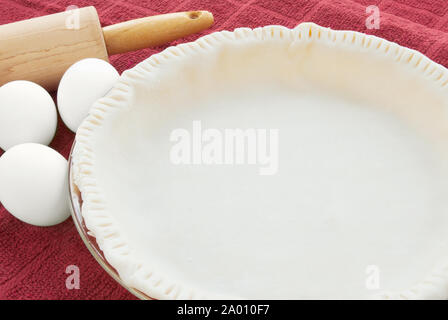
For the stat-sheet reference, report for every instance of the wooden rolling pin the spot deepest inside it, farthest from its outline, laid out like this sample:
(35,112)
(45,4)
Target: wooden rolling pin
(41,49)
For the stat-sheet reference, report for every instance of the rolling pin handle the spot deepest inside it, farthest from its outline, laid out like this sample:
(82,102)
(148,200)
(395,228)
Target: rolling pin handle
(154,31)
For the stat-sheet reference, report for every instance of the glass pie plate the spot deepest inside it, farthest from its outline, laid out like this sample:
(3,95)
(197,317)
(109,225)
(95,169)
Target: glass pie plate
(364,124)
(88,239)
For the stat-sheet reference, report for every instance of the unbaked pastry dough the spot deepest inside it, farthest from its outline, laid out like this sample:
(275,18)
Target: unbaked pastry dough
(360,190)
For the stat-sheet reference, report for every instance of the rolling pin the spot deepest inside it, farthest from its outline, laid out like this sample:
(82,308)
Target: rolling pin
(41,49)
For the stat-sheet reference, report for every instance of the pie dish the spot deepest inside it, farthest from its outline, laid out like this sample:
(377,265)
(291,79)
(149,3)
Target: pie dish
(356,209)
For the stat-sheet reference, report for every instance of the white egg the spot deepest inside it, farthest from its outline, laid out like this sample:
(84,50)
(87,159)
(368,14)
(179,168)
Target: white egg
(27,114)
(34,184)
(82,84)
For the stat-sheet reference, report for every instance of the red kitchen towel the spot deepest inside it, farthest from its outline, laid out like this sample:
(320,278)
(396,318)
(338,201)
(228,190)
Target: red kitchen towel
(33,260)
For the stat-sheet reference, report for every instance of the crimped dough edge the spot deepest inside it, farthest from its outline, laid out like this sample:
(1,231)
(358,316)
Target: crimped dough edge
(95,209)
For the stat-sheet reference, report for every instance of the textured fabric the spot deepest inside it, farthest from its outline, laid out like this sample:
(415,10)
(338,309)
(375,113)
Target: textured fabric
(33,260)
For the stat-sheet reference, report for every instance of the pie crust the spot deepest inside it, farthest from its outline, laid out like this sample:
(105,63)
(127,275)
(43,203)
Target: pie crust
(356,210)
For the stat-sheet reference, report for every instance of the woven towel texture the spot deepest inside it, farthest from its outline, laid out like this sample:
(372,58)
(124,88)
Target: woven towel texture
(33,260)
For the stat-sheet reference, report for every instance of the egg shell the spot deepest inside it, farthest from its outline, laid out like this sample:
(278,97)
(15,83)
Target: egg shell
(82,84)
(34,184)
(27,114)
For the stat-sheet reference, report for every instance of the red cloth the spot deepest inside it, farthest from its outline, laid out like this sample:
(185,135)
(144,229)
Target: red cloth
(33,260)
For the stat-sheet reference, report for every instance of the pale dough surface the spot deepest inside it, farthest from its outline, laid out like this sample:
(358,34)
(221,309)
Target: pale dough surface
(355,188)
(361,177)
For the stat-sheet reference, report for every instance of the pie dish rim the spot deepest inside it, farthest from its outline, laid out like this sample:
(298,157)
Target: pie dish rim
(83,156)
